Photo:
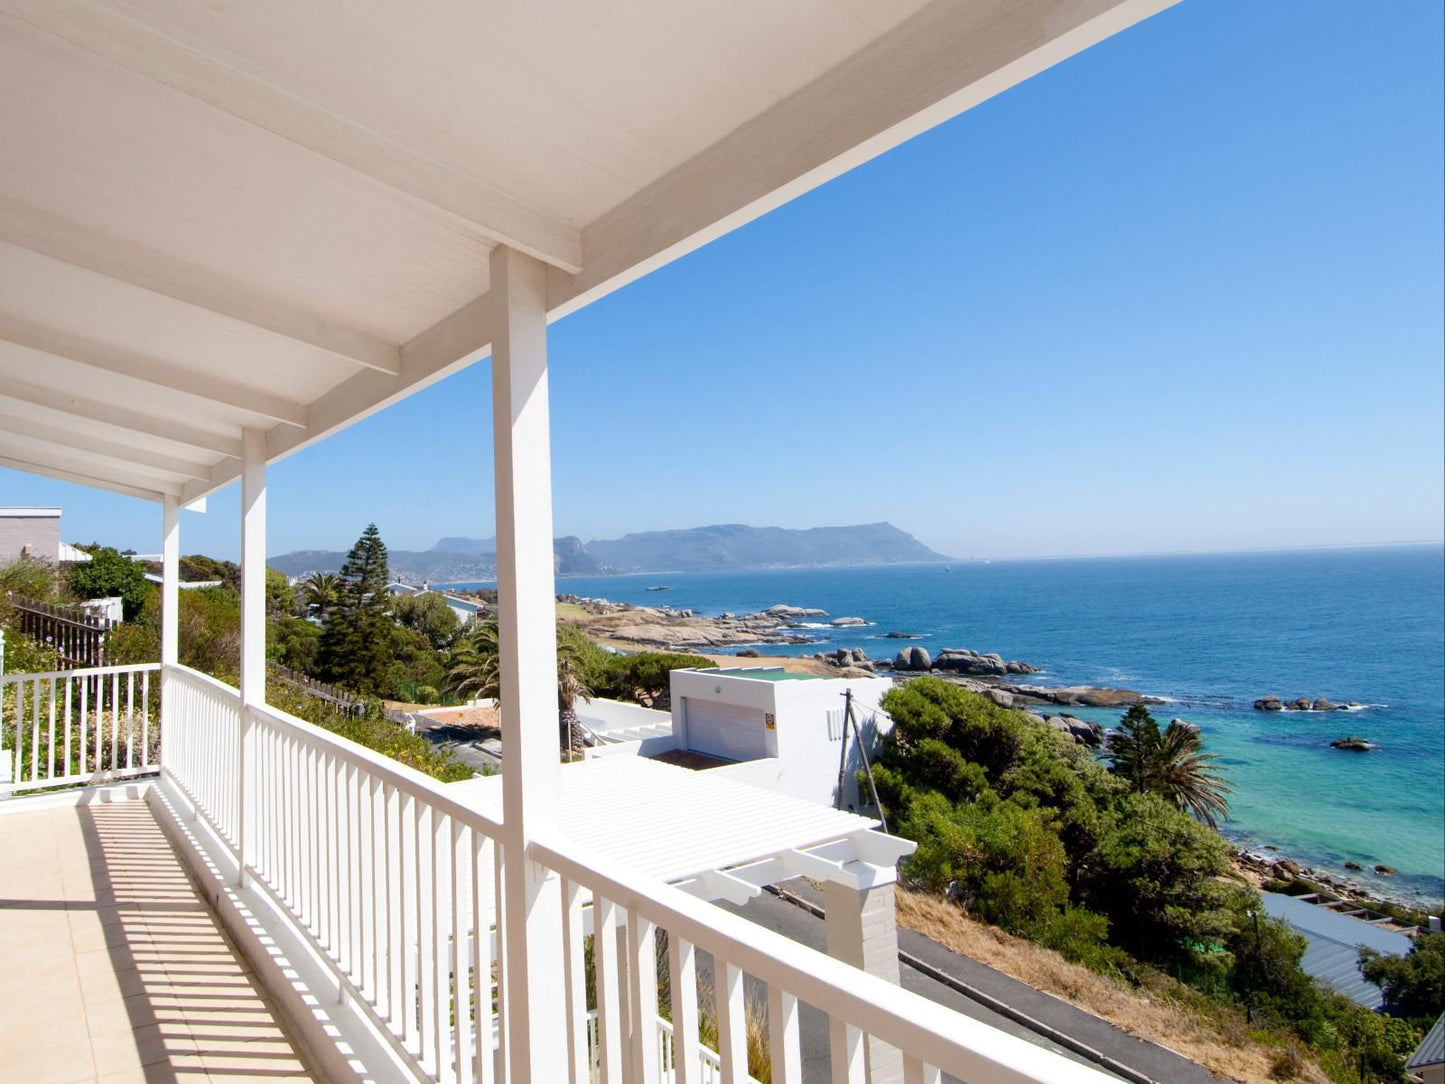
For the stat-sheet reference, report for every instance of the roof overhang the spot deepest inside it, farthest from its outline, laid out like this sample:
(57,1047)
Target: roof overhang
(279,217)
(714,837)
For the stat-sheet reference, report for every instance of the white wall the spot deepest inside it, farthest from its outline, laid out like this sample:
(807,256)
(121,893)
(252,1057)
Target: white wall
(805,744)
(602,715)
(37,528)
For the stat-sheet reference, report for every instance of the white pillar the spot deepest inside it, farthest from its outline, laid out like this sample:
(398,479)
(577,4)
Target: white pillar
(253,566)
(862,930)
(170,606)
(170,581)
(526,610)
(253,624)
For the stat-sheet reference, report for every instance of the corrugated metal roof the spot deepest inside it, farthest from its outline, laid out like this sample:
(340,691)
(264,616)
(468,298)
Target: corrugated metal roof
(1431,1050)
(1334,942)
(673,823)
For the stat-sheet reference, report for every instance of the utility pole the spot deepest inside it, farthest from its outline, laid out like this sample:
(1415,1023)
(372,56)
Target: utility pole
(851,722)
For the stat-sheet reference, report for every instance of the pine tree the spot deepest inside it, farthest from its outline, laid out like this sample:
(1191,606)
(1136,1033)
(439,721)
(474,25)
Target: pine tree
(356,647)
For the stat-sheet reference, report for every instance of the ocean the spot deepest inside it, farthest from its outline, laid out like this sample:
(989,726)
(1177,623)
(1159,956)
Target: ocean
(1209,634)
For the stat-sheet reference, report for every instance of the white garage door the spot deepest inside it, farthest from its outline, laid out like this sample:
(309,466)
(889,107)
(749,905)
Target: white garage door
(725,730)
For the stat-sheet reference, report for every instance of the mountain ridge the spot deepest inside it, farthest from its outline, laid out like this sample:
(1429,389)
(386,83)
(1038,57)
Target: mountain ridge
(715,547)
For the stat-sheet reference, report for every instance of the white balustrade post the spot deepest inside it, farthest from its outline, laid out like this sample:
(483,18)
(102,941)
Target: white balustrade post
(170,605)
(253,625)
(526,606)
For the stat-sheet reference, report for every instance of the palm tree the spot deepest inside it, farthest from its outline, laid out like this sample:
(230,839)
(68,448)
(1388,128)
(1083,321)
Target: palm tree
(1171,764)
(474,668)
(323,590)
(475,671)
(571,687)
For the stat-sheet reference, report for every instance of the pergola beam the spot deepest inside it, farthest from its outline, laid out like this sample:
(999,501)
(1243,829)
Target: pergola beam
(108,414)
(948,57)
(67,458)
(94,481)
(79,441)
(451,344)
(205,289)
(127,40)
(146,370)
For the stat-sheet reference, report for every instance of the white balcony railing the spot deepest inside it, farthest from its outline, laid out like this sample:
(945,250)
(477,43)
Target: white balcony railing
(397,885)
(70,727)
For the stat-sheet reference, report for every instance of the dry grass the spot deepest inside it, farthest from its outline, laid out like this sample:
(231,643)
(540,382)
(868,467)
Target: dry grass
(1216,1038)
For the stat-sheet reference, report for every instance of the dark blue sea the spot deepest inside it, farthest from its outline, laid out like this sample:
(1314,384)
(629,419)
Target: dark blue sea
(1209,634)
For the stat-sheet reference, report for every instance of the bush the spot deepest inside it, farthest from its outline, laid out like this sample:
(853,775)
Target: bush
(107,575)
(1414,984)
(30,578)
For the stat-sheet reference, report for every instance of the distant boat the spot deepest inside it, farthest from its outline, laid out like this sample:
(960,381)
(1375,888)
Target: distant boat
(659,588)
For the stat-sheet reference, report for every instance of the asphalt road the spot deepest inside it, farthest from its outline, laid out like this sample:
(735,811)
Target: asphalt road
(1145,1059)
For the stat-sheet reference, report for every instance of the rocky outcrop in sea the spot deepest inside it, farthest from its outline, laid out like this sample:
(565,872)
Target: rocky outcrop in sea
(1303,703)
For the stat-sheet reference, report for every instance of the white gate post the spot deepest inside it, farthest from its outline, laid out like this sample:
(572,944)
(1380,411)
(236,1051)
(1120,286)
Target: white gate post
(526,607)
(170,605)
(253,623)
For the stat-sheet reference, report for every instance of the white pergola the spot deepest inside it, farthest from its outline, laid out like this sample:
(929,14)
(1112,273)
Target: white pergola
(230,229)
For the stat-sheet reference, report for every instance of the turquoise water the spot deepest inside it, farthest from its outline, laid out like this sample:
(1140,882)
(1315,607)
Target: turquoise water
(1210,634)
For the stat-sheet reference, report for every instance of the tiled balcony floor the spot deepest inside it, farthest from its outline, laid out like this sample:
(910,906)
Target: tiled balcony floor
(112,967)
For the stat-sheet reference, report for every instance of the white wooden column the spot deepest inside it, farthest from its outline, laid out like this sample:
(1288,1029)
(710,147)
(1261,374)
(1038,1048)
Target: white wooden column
(526,610)
(170,605)
(170,581)
(253,623)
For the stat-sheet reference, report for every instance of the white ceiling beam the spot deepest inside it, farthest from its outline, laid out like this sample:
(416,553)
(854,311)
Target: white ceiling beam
(85,441)
(148,371)
(109,414)
(125,38)
(89,472)
(200,288)
(945,59)
(80,479)
(63,458)
(450,345)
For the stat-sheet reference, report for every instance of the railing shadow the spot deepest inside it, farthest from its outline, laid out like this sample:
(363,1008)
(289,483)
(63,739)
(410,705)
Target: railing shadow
(178,1002)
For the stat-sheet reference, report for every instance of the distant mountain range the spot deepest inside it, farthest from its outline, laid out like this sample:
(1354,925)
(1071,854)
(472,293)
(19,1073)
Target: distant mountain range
(700,549)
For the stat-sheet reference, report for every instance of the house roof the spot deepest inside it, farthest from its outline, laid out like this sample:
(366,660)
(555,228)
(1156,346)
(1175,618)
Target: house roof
(278,217)
(677,825)
(1334,941)
(1431,1050)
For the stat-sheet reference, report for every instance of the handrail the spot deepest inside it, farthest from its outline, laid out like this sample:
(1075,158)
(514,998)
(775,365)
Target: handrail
(910,1022)
(403,777)
(90,671)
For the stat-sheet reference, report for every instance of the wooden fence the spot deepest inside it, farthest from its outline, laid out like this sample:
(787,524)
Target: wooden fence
(342,699)
(76,634)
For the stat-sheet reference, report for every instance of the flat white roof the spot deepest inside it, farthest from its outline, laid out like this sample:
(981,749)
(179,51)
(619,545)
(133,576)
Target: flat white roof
(29,513)
(279,216)
(673,823)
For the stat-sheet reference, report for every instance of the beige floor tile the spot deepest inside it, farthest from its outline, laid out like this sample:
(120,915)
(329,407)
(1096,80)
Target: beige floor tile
(124,975)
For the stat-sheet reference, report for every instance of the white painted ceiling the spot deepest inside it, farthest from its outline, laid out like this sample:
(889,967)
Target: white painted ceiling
(278,214)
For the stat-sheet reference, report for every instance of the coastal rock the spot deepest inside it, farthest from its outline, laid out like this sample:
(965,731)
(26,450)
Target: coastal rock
(846,622)
(1085,733)
(1085,696)
(1000,697)
(1352,743)
(782,609)
(1386,871)
(1302,704)
(1268,703)
(1184,723)
(913,658)
(848,657)
(902,636)
(1321,704)
(1353,865)
(961,660)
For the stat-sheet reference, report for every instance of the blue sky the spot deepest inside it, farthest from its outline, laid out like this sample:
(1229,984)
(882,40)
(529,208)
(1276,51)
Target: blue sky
(1182,292)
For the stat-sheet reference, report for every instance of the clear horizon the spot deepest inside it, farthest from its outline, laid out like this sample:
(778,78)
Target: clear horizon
(1180,294)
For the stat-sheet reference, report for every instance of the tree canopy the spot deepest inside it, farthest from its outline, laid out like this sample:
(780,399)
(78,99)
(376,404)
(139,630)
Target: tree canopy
(107,575)
(1170,764)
